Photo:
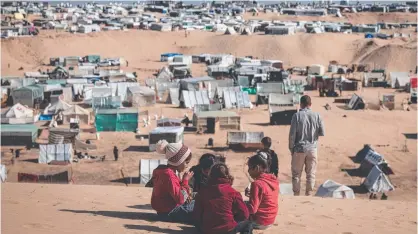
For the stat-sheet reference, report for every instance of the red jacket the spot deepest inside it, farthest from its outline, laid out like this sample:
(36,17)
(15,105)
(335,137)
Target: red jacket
(264,199)
(218,207)
(168,192)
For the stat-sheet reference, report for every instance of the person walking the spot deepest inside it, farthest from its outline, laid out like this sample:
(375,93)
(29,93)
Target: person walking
(116,153)
(305,129)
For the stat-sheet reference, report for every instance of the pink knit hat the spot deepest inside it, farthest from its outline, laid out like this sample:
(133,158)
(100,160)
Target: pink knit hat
(175,153)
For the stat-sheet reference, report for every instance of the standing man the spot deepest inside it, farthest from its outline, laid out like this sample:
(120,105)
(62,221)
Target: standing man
(116,153)
(304,132)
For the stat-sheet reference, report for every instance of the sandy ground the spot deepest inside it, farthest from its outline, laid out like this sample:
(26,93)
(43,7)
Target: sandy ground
(102,209)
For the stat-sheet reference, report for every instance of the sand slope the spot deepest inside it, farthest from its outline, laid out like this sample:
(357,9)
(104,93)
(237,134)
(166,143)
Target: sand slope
(143,48)
(33,208)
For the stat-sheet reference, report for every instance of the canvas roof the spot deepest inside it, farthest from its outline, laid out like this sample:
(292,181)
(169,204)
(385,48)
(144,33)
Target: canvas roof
(58,106)
(206,114)
(333,189)
(173,129)
(117,111)
(76,110)
(19,111)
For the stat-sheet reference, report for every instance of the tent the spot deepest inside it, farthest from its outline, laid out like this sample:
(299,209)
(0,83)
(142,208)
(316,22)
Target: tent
(50,177)
(18,134)
(230,31)
(141,96)
(57,107)
(19,111)
(356,103)
(77,112)
(244,140)
(55,152)
(147,166)
(246,31)
(3,173)
(28,95)
(120,120)
(335,190)
(377,181)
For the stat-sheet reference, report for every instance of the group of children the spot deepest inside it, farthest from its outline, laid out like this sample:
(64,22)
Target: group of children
(204,195)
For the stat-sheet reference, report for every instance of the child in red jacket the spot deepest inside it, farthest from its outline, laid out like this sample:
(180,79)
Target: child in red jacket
(170,195)
(219,209)
(264,192)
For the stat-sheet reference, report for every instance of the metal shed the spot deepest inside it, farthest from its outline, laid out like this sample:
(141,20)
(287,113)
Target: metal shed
(28,95)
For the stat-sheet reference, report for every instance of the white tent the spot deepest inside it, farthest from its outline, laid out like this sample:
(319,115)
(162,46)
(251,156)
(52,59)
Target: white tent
(3,173)
(335,190)
(147,167)
(19,111)
(230,31)
(246,31)
(377,181)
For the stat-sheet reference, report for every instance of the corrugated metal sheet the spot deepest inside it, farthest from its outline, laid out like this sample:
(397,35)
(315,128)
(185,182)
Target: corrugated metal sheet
(191,98)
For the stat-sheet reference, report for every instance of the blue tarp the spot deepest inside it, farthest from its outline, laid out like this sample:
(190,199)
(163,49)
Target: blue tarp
(45,117)
(368,35)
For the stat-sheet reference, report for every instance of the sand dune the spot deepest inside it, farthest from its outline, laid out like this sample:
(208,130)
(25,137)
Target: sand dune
(143,48)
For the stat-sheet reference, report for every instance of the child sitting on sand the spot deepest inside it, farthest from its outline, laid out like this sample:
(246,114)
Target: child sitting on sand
(263,193)
(218,207)
(170,195)
(201,172)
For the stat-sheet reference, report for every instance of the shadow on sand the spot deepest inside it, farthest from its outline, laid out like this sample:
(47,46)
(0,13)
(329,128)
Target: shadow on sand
(184,230)
(150,217)
(141,207)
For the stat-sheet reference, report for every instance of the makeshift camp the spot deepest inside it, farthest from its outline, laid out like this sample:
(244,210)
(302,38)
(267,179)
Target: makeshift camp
(140,96)
(189,99)
(170,134)
(282,107)
(18,134)
(147,166)
(333,189)
(377,181)
(120,120)
(265,89)
(245,140)
(76,112)
(19,114)
(209,121)
(55,152)
(28,95)
(356,103)
(173,96)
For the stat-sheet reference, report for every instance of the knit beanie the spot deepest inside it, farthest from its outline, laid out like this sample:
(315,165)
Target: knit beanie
(175,153)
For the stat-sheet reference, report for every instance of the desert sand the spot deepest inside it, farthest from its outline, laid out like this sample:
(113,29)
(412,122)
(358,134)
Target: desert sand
(51,209)
(123,208)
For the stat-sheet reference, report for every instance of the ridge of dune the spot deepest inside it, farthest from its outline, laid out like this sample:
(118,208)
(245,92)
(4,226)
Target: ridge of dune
(143,48)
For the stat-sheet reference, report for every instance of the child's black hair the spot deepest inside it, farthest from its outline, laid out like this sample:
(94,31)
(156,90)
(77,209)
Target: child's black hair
(206,161)
(266,141)
(220,170)
(260,159)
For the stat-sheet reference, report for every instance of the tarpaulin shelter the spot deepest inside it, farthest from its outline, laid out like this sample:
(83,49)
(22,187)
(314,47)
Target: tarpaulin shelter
(282,108)
(28,95)
(356,103)
(62,135)
(147,166)
(19,114)
(57,107)
(173,96)
(170,134)
(18,134)
(399,79)
(189,99)
(140,96)
(52,177)
(377,181)
(55,152)
(236,99)
(333,189)
(76,112)
(168,122)
(3,173)
(245,140)
(119,120)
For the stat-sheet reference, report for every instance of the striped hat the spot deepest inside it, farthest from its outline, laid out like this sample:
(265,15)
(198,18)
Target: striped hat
(175,153)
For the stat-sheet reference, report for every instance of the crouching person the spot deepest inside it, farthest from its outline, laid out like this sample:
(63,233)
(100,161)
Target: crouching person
(218,207)
(170,195)
(263,193)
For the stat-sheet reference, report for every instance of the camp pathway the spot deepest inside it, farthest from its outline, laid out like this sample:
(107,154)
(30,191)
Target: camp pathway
(43,208)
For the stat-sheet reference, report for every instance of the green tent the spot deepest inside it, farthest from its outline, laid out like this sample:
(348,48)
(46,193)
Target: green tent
(250,91)
(117,120)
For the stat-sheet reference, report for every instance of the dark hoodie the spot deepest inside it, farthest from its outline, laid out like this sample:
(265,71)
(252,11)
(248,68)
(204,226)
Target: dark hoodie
(218,207)
(199,180)
(264,195)
(168,192)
